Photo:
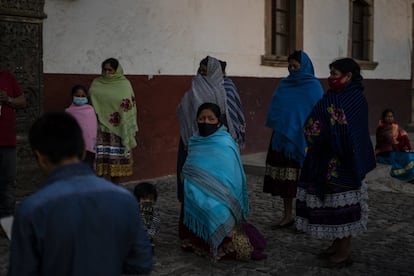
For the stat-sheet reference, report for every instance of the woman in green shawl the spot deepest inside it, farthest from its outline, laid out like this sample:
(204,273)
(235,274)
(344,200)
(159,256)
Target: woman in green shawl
(113,99)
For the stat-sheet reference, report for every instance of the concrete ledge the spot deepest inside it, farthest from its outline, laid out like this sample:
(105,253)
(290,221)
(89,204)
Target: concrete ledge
(378,179)
(254,170)
(255,163)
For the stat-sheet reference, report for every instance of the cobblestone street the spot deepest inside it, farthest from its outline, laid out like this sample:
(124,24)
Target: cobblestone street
(387,248)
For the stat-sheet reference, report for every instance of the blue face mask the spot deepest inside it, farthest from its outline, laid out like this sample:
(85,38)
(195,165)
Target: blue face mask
(80,100)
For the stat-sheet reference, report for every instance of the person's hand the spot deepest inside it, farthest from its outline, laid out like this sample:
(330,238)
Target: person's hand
(3,96)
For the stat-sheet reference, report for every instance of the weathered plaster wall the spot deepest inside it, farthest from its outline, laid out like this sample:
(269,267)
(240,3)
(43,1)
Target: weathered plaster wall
(159,43)
(158,37)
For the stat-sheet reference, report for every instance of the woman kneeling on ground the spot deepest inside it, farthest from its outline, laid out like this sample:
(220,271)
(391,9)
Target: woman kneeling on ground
(215,199)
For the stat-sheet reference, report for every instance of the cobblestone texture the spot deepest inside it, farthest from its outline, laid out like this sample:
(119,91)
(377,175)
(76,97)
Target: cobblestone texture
(387,248)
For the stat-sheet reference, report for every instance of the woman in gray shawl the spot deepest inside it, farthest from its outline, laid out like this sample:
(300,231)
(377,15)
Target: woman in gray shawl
(206,86)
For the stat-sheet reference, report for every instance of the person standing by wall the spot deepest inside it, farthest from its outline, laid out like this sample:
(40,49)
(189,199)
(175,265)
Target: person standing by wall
(209,85)
(86,118)
(206,86)
(332,199)
(291,104)
(77,223)
(11,98)
(113,98)
(236,122)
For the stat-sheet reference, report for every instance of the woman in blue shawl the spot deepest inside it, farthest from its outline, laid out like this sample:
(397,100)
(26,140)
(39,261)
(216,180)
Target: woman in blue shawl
(215,199)
(291,104)
(332,197)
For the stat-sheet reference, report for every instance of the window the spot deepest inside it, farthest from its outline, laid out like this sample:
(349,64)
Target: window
(361,34)
(284,30)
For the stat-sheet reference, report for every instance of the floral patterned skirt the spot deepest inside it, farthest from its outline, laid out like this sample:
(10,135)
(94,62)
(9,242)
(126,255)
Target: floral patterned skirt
(111,157)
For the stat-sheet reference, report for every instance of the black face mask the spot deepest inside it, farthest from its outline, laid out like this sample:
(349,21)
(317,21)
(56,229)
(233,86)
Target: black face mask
(207,129)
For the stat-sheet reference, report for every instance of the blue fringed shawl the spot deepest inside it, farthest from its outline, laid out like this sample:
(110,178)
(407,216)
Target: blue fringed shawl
(215,188)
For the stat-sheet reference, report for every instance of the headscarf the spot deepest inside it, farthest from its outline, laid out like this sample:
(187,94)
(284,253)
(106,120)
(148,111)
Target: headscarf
(115,106)
(291,104)
(203,89)
(215,188)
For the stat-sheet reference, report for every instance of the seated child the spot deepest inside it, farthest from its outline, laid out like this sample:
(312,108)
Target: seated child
(146,194)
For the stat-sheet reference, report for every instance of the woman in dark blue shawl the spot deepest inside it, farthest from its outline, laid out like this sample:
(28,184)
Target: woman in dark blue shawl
(291,104)
(332,197)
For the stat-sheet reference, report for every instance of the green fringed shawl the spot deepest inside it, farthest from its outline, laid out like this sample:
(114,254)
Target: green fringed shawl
(114,103)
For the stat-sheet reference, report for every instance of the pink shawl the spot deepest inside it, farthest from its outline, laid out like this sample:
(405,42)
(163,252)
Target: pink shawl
(86,117)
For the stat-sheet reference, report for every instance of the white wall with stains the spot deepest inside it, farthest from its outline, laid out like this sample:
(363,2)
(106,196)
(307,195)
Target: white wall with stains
(169,37)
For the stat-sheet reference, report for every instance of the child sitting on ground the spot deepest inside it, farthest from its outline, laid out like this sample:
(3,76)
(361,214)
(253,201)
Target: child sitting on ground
(146,194)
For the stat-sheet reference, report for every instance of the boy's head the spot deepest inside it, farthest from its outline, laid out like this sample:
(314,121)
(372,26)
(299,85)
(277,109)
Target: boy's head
(56,138)
(145,192)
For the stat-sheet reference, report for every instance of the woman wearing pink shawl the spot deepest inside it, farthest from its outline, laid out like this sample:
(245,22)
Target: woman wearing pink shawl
(86,117)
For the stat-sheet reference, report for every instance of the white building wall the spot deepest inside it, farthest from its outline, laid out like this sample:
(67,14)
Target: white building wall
(393,39)
(169,37)
(325,33)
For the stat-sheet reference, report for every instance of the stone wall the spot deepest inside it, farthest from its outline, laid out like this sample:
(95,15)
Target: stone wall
(21,53)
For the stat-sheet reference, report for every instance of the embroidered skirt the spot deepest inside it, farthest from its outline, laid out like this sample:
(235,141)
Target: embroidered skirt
(342,213)
(111,157)
(281,175)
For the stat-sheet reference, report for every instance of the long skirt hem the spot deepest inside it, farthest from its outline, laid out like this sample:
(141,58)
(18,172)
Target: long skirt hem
(325,219)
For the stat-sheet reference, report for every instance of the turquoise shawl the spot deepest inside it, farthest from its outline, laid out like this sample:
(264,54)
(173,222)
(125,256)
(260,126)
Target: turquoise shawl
(291,104)
(215,188)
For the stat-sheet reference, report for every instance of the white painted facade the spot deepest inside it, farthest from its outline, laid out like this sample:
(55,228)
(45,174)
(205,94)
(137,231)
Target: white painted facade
(169,37)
